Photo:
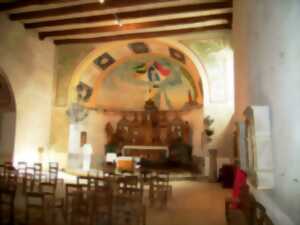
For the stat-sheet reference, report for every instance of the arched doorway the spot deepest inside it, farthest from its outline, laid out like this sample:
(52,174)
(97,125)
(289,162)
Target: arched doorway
(7,119)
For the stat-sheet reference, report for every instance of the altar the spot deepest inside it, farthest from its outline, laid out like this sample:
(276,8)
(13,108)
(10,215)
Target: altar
(147,152)
(150,135)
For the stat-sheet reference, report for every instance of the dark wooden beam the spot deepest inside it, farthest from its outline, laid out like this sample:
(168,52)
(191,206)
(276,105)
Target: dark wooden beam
(25,3)
(135,26)
(133,15)
(87,7)
(140,35)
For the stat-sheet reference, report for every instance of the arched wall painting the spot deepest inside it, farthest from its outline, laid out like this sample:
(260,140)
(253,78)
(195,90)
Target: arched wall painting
(124,77)
(130,83)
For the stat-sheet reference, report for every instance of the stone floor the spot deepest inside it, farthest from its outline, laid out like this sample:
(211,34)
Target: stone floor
(193,203)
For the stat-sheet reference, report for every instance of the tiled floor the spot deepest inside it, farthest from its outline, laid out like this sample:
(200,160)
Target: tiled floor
(193,203)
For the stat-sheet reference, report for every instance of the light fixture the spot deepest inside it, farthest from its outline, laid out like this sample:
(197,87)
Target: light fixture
(101,1)
(118,20)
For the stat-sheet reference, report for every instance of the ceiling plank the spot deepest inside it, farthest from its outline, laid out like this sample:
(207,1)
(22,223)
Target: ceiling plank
(20,4)
(140,35)
(133,15)
(87,7)
(136,26)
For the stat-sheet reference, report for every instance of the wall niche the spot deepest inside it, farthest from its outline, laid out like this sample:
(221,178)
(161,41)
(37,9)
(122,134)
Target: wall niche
(258,145)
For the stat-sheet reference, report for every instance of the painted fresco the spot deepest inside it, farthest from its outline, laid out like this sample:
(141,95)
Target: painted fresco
(129,84)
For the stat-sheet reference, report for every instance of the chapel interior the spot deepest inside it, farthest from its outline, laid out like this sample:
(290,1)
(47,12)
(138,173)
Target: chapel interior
(153,112)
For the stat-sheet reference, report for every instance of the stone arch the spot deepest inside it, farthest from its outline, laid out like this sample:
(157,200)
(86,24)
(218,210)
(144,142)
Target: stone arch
(7,118)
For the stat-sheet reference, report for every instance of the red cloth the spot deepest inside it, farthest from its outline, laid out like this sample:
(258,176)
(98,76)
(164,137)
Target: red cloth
(239,181)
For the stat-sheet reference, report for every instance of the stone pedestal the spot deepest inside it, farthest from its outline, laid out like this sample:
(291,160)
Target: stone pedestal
(213,167)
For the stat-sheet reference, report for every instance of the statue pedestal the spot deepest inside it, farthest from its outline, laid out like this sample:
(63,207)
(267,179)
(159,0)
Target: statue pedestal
(86,162)
(87,153)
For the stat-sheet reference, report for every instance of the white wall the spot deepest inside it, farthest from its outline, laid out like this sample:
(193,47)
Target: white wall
(267,52)
(28,63)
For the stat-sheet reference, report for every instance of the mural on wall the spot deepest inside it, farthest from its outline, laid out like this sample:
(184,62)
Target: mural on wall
(129,84)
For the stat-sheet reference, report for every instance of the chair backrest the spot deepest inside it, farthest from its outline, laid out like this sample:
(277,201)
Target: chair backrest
(74,195)
(9,180)
(163,174)
(73,190)
(53,172)
(35,199)
(38,168)
(53,165)
(48,188)
(127,210)
(83,180)
(29,179)
(21,167)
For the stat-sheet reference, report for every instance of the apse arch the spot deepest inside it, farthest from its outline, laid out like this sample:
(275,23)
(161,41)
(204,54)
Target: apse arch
(7,118)
(191,62)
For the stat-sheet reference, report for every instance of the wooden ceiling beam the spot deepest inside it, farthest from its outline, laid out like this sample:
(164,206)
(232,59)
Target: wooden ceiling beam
(135,26)
(87,7)
(132,15)
(24,3)
(140,35)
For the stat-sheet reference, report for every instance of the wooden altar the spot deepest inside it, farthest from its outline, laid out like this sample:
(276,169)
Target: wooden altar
(152,153)
(150,127)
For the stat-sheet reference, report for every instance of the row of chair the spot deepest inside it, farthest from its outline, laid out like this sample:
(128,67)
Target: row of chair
(109,199)
(33,182)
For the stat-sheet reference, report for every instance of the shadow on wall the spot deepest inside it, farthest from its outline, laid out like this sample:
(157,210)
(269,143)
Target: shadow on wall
(7,119)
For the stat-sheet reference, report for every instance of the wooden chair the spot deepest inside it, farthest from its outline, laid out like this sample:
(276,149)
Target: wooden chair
(21,167)
(128,210)
(101,205)
(53,173)
(83,180)
(37,174)
(130,186)
(166,175)
(99,182)
(52,201)
(36,207)
(74,194)
(80,208)
(28,180)
(8,188)
(159,191)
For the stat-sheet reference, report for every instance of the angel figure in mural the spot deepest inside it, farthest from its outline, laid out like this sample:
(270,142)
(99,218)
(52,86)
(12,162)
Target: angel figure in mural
(154,71)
